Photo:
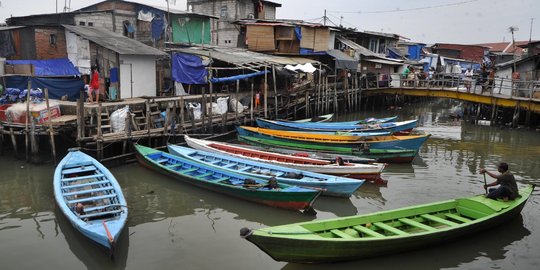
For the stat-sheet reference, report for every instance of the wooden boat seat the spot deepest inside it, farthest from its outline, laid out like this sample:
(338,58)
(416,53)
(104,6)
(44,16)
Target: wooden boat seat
(99,207)
(245,169)
(188,170)
(230,165)
(86,191)
(203,175)
(341,234)
(439,220)
(215,161)
(76,165)
(79,169)
(172,166)
(95,198)
(97,214)
(416,224)
(67,179)
(161,160)
(221,179)
(458,218)
(389,228)
(86,184)
(367,231)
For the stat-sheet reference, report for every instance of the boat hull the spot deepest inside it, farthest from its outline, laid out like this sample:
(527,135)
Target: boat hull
(360,171)
(310,126)
(104,226)
(330,185)
(305,249)
(300,200)
(380,155)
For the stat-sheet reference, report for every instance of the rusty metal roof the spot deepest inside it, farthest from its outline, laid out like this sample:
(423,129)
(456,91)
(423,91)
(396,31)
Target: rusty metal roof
(114,41)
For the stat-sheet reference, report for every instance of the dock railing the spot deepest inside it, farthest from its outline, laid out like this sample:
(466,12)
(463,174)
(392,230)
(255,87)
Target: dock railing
(500,87)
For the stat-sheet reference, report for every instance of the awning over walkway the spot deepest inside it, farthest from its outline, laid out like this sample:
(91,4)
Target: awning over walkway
(386,62)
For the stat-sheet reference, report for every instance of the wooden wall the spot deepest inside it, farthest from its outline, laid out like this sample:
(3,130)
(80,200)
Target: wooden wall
(260,38)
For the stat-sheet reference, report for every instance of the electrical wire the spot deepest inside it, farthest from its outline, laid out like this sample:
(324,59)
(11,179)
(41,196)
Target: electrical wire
(408,9)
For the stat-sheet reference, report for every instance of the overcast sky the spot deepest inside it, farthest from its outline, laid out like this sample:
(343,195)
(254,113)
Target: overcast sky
(449,21)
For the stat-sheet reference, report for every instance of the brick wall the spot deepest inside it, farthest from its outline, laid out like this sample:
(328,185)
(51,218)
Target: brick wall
(44,48)
(99,20)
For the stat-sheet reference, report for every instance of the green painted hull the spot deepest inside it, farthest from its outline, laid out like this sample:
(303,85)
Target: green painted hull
(384,232)
(287,196)
(381,155)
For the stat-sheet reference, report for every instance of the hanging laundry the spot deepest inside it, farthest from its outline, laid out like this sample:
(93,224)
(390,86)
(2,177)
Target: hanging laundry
(145,15)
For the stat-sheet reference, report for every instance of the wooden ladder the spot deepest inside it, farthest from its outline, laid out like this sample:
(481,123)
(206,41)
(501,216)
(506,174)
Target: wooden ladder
(156,121)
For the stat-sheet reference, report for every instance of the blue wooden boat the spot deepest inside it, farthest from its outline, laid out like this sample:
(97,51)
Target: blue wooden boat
(403,126)
(90,197)
(371,120)
(227,182)
(330,185)
(320,118)
(325,141)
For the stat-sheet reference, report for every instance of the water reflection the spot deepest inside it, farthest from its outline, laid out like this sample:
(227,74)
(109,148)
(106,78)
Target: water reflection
(453,254)
(154,197)
(91,254)
(341,207)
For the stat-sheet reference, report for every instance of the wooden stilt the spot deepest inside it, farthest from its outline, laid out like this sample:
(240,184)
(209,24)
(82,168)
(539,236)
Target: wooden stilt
(265,92)
(51,131)
(14,141)
(27,119)
(275,90)
(34,144)
(252,100)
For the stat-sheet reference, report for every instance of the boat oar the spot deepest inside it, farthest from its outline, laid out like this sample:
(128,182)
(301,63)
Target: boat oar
(111,239)
(485,183)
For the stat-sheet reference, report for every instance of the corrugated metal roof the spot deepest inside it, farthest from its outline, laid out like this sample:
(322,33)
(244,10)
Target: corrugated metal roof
(386,62)
(5,28)
(114,41)
(242,57)
(357,47)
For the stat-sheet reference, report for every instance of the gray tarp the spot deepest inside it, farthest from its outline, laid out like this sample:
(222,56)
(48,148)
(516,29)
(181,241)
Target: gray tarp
(343,61)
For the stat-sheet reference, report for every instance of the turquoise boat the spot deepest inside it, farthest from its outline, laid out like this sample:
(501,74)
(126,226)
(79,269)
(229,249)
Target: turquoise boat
(226,182)
(328,184)
(90,197)
(386,232)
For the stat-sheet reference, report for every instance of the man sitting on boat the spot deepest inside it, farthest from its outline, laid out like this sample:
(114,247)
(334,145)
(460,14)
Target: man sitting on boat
(507,184)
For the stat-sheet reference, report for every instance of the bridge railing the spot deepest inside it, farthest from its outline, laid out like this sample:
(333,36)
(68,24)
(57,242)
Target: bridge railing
(476,84)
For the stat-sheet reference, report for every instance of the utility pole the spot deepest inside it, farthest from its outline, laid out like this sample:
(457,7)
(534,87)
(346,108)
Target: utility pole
(324,17)
(530,33)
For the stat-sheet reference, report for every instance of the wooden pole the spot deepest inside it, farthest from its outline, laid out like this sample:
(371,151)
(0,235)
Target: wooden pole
(275,90)
(99,141)
(166,125)
(51,131)
(147,120)
(80,103)
(14,141)
(182,105)
(251,109)
(236,100)
(34,146)
(265,92)
(210,114)
(27,119)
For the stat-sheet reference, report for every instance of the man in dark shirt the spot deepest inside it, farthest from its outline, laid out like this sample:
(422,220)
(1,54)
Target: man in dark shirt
(507,184)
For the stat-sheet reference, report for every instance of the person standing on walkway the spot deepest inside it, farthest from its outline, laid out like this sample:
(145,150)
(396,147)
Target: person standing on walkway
(94,85)
(507,189)
(468,79)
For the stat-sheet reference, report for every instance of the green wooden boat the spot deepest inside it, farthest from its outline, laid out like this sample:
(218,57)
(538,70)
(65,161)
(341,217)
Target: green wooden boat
(385,232)
(380,155)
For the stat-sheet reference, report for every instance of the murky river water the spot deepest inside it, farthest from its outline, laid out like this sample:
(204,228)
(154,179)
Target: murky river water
(176,226)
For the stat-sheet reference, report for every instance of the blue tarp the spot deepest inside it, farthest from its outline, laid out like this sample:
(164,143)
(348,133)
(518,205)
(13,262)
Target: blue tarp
(238,77)
(157,27)
(393,54)
(298,32)
(306,51)
(57,87)
(415,51)
(50,67)
(187,68)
